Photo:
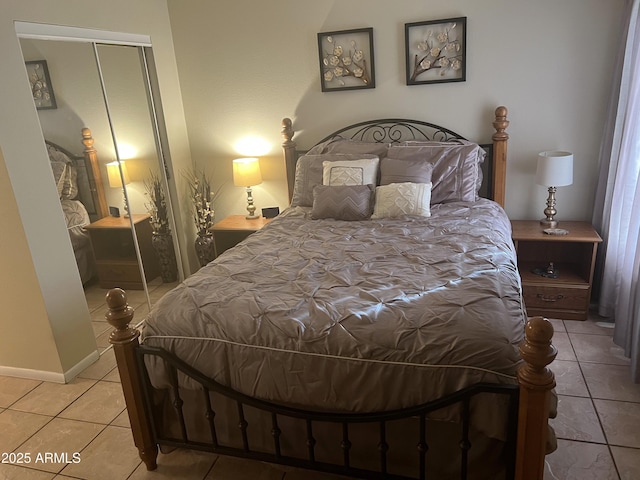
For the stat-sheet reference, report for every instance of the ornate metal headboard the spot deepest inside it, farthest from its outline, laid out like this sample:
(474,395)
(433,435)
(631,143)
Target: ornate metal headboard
(394,130)
(390,130)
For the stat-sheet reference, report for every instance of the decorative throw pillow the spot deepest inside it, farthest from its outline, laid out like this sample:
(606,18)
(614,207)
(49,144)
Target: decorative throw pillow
(59,172)
(70,187)
(354,172)
(343,202)
(456,172)
(398,199)
(69,179)
(309,174)
(393,170)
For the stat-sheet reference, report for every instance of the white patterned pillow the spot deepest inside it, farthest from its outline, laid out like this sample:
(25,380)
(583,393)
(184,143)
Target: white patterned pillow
(59,175)
(398,199)
(353,172)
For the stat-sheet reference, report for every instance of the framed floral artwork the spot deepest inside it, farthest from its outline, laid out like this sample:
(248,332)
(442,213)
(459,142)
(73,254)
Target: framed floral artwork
(436,51)
(346,60)
(40,83)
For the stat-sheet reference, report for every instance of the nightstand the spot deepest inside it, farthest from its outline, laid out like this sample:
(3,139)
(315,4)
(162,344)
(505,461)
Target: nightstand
(115,255)
(232,230)
(573,256)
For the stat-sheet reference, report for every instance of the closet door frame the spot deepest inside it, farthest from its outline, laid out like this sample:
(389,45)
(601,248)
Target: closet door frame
(37,31)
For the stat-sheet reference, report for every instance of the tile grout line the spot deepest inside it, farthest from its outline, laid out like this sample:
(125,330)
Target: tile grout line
(57,416)
(27,393)
(52,419)
(604,433)
(215,460)
(90,442)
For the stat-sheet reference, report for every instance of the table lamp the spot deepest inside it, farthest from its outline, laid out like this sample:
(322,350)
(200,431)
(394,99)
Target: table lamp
(555,169)
(115,180)
(246,173)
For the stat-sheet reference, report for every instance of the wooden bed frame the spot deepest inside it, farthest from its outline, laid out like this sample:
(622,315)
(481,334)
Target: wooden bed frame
(529,400)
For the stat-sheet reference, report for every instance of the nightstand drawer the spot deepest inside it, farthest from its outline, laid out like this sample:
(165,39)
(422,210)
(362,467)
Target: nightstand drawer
(119,274)
(232,230)
(223,241)
(571,298)
(115,254)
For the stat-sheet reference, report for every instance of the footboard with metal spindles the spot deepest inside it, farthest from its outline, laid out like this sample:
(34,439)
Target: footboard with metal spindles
(526,436)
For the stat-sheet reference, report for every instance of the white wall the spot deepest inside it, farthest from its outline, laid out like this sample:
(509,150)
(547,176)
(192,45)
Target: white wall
(549,62)
(23,306)
(56,284)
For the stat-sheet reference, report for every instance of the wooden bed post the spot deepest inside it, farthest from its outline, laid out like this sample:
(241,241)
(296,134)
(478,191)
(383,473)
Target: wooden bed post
(125,340)
(500,140)
(536,382)
(97,189)
(289,147)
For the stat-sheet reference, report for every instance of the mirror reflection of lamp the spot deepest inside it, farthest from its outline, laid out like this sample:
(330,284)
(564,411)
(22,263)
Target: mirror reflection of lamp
(115,180)
(246,173)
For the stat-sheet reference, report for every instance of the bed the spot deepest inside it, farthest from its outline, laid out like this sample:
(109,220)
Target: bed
(81,196)
(375,332)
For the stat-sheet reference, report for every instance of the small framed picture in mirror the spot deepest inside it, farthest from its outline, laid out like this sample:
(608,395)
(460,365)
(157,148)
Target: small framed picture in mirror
(40,83)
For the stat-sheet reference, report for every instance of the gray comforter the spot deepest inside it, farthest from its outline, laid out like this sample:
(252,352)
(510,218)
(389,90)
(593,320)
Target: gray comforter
(353,316)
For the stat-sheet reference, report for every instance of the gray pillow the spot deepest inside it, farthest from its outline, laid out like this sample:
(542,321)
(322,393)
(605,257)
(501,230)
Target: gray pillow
(456,172)
(393,170)
(343,202)
(309,174)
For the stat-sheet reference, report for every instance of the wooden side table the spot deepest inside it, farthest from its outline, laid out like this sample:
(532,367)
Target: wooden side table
(573,256)
(115,255)
(232,230)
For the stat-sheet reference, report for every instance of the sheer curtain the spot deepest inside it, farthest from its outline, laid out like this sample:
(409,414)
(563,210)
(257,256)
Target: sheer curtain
(617,209)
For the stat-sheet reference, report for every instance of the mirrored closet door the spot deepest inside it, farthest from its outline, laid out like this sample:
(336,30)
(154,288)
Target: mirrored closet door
(105,145)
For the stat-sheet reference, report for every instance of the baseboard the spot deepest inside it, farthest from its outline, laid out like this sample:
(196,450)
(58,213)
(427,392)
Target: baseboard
(87,361)
(53,377)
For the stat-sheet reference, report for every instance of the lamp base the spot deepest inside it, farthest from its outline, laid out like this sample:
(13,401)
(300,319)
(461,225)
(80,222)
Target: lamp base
(125,204)
(548,223)
(251,208)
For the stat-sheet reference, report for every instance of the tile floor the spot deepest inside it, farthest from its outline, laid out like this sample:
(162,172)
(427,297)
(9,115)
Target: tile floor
(598,423)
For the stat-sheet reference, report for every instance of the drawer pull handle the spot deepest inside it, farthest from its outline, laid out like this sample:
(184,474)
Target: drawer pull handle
(550,298)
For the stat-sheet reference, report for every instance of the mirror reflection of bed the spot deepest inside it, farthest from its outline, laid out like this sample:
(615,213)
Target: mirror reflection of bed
(80,198)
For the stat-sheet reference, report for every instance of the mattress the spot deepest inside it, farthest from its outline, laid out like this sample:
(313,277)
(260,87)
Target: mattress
(352,316)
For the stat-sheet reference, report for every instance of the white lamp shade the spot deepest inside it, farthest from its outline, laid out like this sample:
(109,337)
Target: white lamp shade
(113,173)
(246,172)
(555,169)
